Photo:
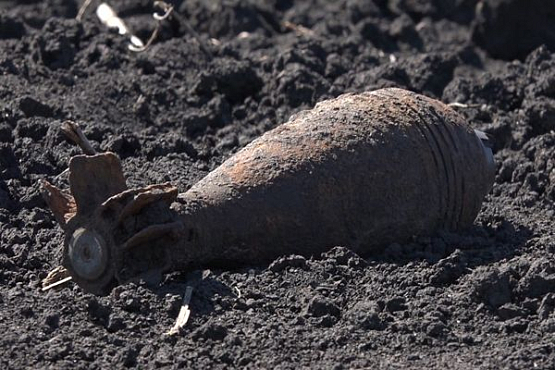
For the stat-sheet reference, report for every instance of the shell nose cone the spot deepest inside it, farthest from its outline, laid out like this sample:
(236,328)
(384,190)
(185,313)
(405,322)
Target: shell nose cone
(88,254)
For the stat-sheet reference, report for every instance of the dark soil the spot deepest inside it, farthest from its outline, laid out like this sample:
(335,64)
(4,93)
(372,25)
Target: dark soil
(483,298)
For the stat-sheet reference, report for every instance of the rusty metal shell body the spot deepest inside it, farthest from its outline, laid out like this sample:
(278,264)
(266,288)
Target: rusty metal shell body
(361,170)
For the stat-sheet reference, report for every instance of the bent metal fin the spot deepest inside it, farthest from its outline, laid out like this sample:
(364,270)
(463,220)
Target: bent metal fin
(93,179)
(61,204)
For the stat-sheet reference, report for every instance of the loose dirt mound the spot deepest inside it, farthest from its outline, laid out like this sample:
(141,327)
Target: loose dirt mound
(480,299)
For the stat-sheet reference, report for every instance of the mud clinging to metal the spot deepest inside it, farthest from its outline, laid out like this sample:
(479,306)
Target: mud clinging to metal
(362,170)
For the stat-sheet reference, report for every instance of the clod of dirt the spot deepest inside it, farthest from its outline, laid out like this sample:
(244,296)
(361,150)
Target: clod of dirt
(282,263)
(510,29)
(229,18)
(491,286)
(235,80)
(449,269)
(32,107)
(10,28)
(540,112)
(210,330)
(364,315)
(320,306)
(547,306)
(343,256)
(539,279)
(510,311)
(56,46)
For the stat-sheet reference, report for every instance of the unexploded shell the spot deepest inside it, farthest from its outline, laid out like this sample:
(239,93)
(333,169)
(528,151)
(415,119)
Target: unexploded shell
(362,171)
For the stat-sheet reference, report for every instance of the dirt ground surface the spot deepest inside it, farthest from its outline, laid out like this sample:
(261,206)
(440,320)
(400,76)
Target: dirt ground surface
(483,298)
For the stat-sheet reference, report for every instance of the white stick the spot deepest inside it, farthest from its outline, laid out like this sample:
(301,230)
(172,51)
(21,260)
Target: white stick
(184,312)
(59,282)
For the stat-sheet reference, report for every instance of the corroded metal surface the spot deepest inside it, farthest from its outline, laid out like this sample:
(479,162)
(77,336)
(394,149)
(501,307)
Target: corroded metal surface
(362,170)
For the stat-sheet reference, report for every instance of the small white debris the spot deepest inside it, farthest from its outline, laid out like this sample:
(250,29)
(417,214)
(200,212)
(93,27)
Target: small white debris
(56,277)
(184,313)
(110,19)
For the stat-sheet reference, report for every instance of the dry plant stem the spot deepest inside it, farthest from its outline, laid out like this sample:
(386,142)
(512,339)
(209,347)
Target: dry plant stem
(148,43)
(168,9)
(165,7)
(300,30)
(56,277)
(73,132)
(184,312)
(82,10)
(57,283)
(62,174)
